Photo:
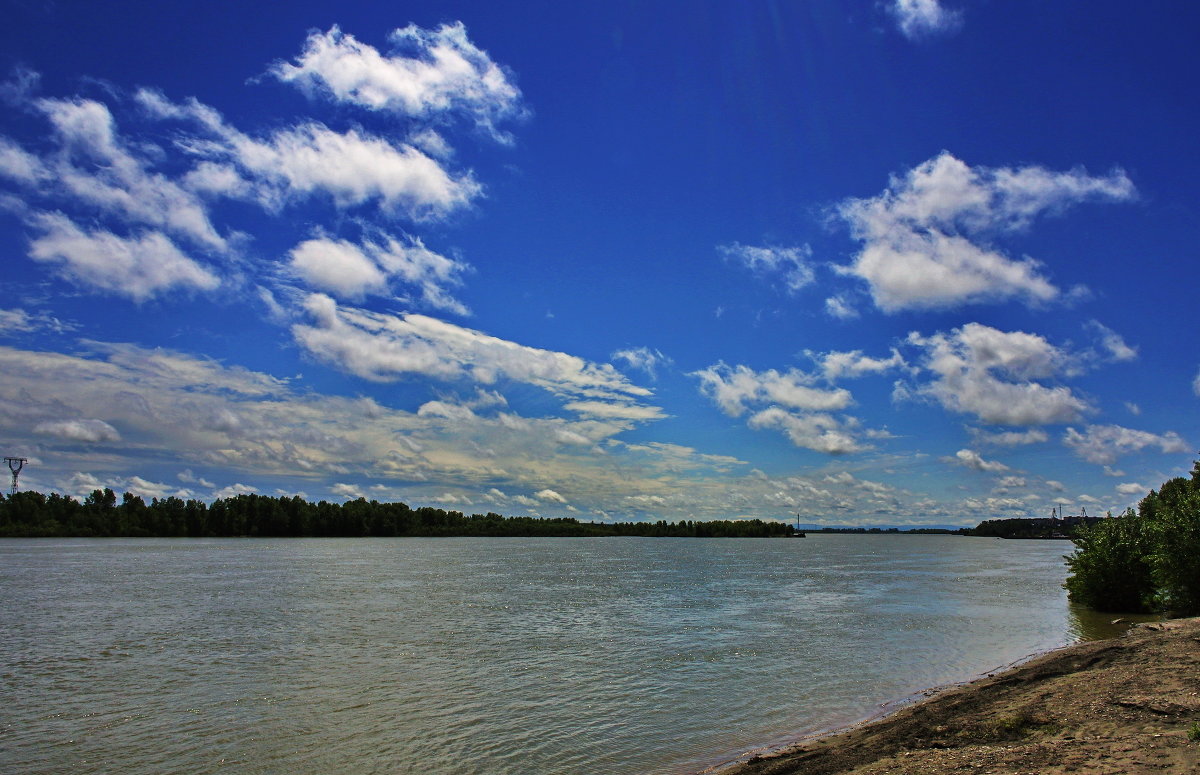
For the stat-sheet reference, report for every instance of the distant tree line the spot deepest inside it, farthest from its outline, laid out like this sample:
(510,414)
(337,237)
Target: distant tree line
(31,514)
(1144,560)
(1035,527)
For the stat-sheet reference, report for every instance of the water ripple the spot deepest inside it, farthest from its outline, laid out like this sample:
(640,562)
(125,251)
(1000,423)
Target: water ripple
(553,657)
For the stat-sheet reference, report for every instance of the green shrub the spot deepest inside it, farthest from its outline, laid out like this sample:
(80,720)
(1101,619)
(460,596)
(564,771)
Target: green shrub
(1145,560)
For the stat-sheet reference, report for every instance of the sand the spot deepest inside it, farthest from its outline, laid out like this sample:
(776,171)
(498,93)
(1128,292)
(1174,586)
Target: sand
(1124,705)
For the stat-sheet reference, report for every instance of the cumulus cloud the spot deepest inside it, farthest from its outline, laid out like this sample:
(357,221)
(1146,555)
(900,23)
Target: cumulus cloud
(429,72)
(918,19)
(139,267)
(352,167)
(924,238)
(1131,488)
(94,165)
(784,401)
(790,265)
(234,490)
(549,496)
(972,459)
(817,431)
(91,431)
(1103,444)
(994,375)
(338,267)
(733,388)
(840,365)
(352,271)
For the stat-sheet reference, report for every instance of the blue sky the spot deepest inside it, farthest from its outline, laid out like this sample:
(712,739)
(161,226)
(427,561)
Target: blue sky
(896,262)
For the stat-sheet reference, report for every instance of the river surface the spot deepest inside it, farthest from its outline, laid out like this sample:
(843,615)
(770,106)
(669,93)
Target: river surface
(601,656)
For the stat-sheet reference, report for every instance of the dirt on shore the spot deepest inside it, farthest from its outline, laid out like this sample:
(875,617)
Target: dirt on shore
(1123,706)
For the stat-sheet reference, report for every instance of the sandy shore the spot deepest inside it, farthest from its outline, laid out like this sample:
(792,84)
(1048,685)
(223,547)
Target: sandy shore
(1114,706)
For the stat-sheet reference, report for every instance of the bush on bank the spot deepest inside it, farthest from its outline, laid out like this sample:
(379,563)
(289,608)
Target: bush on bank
(1144,560)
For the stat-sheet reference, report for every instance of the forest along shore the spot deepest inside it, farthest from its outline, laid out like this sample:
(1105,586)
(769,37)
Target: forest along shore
(1130,705)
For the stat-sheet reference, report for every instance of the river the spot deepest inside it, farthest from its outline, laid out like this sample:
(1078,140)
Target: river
(605,656)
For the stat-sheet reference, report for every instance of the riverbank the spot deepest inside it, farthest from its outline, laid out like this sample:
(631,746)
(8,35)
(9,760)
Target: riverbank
(1124,705)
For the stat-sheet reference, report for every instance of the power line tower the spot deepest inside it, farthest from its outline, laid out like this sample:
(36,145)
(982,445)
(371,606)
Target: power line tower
(15,464)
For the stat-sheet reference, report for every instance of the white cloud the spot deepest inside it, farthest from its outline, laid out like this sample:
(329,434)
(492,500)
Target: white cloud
(784,401)
(91,431)
(644,359)
(1009,438)
(430,72)
(971,459)
(1131,488)
(732,388)
(816,431)
(922,238)
(1113,343)
(790,265)
(840,307)
(352,167)
(921,18)
(1103,444)
(549,496)
(19,165)
(385,347)
(138,267)
(1196,384)
(373,267)
(338,267)
(840,365)
(96,166)
(15,321)
(187,477)
(991,374)
(347,491)
(234,490)
(20,321)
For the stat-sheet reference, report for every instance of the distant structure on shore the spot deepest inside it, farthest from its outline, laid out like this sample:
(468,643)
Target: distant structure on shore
(15,464)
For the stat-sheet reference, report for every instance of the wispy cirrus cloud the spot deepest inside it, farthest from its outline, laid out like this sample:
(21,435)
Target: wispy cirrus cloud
(383,347)
(925,240)
(1009,438)
(790,266)
(644,359)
